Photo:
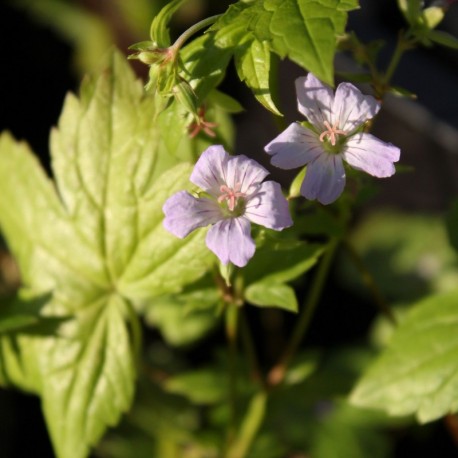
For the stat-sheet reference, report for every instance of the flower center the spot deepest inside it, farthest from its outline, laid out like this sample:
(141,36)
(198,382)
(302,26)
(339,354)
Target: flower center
(230,195)
(331,132)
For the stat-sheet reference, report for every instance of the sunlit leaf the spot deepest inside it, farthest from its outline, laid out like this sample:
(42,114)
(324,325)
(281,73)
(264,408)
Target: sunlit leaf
(253,67)
(418,372)
(303,30)
(266,294)
(98,245)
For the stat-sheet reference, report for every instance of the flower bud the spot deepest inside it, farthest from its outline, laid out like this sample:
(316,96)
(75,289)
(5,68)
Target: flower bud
(185,94)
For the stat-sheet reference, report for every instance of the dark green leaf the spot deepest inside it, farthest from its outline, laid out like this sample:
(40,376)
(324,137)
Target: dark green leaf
(186,317)
(397,240)
(303,30)
(205,64)
(23,314)
(225,102)
(253,66)
(452,225)
(443,38)
(281,261)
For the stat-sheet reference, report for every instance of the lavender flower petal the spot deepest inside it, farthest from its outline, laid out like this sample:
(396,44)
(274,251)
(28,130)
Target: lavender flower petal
(314,100)
(231,241)
(294,147)
(351,108)
(325,179)
(184,213)
(268,207)
(210,170)
(245,172)
(368,153)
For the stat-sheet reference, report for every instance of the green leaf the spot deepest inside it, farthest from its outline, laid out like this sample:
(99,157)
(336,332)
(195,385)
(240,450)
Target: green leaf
(411,9)
(266,294)
(418,372)
(98,245)
(296,184)
(159,31)
(443,38)
(253,66)
(204,386)
(225,102)
(92,375)
(394,239)
(303,30)
(184,318)
(205,64)
(452,225)
(280,261)
(23,314)
(360,433)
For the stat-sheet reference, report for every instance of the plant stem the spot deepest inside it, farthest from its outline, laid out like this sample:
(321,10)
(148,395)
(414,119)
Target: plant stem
(192,30)
(247,339)
(277,373)
(402,45)
(370,283)
(249,427)
(231,335)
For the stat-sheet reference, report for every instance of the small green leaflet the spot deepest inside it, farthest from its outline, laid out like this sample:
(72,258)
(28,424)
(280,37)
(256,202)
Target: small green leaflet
(265,294)
(98,245)
(266,281)
(253,66)
(418,372)
(159,31)
(303,30)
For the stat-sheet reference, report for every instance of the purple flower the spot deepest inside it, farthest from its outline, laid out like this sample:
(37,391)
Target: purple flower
(234,197)
(333,135)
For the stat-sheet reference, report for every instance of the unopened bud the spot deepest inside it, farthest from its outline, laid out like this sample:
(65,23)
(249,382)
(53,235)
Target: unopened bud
(433,16)
(185,94)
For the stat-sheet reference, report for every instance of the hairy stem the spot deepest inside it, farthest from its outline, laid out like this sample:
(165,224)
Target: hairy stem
(179,42)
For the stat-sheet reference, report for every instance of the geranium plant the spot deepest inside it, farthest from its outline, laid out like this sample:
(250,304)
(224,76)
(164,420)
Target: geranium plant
(168,285)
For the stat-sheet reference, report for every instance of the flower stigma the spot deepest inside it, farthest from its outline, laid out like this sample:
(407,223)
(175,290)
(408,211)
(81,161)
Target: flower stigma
(332,132)
(232,196)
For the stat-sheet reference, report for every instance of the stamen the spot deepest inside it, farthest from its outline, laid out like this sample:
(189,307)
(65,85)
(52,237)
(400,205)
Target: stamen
(331,132)
(231,195)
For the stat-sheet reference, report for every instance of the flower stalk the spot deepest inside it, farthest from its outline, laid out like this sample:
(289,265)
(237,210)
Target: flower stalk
(277,373)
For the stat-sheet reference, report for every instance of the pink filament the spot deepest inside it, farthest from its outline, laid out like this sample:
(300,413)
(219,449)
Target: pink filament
(231,195)
(331,132)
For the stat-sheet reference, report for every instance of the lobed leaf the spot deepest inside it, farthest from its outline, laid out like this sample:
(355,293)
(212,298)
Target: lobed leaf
(303,30)
(98,245)
(418,372)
